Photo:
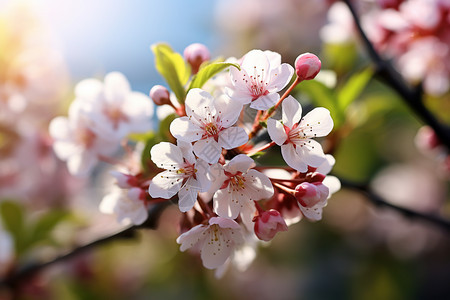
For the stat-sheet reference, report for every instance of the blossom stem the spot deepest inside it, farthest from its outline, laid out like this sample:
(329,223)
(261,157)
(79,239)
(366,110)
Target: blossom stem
(279,180)
(265,147)
(258,208)
(284,188)
(205,208)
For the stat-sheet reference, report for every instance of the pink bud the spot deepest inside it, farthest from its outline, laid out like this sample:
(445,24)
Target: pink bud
(309,194)
(160,95)
(268,223)
(426,139)
(195,54)
(307,66)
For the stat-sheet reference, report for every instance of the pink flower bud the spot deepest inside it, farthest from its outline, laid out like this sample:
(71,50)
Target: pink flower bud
(268,223)
(195,54)
(309,194)
(307,66)
(160,95)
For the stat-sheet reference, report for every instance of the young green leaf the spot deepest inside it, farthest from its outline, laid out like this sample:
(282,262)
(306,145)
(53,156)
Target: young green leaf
(208,71)
(353,88)
(172,68)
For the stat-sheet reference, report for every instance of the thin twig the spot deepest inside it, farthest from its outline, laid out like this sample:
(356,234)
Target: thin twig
(379,201)
(16,278)
(412,97)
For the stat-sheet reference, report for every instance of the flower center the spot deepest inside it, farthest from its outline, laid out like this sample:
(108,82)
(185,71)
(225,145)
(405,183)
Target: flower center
(85,137)
(257,84)
(212,130)
(187,170)
(115,115)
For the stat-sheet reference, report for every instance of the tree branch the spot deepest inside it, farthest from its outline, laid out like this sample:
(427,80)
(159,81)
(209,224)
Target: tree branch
(16,278)
(412,97)
(380,202)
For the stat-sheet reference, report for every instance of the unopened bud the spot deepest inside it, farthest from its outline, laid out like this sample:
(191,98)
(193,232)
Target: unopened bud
(315,177)
(268,223)
(195,54)
(307,66)
(309,194)
(160,95)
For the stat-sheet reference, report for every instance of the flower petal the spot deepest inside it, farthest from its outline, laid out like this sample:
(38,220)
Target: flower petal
(332,183)
(280,77)
(239,163)
(81,164)
(187,196)
(166,156)
(318,121)
(199,104)
(216,249)
(165,185)
(276,131)
(208,150)
(291,158)
(183,129)
(228,110)
(260,185)
(327,165)
(256,63)
(232,137)
(265,102)
(117,87)
(292,111)
(191,237)
(310,152)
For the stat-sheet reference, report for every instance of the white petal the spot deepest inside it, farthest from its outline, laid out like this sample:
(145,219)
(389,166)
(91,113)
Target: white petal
(191,237)
(274,58)
(81,164)
(247,213)
(238,80)
(59,128)
(312,213)
(117,87)
(199,104)
(165,185)
(88,89)
(327,165)
(224,223)
(276,131)
(183,129)
(228,110)
(291,158)
(216,249)
(64,150)
(280,77)
(310,152)
(332,183)
(260,184)
(240,96)
(203,174)
(187,196)
(166,156)
(319,121)
(265,102)
(258,59)
(292,111)
(186,150)
(239,163)
(232,137)
(222,204)
(208,150)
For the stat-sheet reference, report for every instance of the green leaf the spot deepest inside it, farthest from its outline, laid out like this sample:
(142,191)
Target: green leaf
(12,216)
(141,137)
(44,226)
(353,87)
(321,95)
(145,157)
(164,126)
(208,71)
(172,68)
(257,155)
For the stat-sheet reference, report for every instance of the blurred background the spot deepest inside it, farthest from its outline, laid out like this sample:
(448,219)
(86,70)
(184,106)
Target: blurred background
(358,250)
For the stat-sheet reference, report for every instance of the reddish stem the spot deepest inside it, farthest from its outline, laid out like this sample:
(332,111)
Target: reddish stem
(265,147)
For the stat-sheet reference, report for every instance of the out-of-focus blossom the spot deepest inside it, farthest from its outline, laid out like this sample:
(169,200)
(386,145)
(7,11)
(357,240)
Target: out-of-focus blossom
(196,54)
(6,251)
(339,29)
(129,206)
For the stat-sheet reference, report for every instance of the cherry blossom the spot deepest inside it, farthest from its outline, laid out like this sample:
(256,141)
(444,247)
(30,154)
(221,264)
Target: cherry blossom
(216,241)
(268,223)
(77,142)
(240,186)
(129,206)
(260,79)
(209,124)
(184,174)
(297,146)
(117,110)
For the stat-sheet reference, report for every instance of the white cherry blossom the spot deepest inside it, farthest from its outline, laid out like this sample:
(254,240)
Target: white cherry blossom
(117,110)
(240,186)
(260,79)
(184,174)
(297,146)
(209,124)
(76,141)
(129,206)
(216,241)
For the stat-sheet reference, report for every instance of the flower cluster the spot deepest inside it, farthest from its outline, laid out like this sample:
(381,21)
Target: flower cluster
(209,163)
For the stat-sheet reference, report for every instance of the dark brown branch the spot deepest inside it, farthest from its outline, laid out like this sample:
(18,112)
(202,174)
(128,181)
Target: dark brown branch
(380,202)
(411,96)
(16,278)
